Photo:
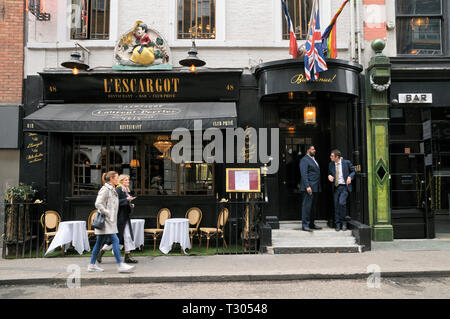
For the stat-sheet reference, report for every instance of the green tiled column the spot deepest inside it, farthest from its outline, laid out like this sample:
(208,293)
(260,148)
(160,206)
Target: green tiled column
(378,76)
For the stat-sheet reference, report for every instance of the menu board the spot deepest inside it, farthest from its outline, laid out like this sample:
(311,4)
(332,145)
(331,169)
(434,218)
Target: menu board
(244,180)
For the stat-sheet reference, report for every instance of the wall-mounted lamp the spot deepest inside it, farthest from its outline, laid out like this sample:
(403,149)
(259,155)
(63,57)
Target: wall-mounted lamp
(192,61)
(76,62)
(309,114)
(134,163)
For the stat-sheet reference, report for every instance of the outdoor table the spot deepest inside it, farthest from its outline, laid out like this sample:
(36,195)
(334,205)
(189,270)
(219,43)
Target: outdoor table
(137,226)
(176,230)
(71,232)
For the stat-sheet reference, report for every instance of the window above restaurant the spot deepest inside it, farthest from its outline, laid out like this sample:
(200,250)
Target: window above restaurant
(300,13)
(422,27)
(90,20)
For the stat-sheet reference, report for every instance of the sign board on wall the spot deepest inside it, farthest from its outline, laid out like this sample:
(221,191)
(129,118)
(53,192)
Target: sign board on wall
(415,98)
(245,180)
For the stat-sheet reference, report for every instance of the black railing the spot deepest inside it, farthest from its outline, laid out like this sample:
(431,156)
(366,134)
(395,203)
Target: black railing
(22,233)
(239,220)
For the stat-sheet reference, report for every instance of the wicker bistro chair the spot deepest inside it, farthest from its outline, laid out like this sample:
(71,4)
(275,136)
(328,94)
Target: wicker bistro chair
(163,215)
(50,221)
(210,232)
(90,231)
(194,215)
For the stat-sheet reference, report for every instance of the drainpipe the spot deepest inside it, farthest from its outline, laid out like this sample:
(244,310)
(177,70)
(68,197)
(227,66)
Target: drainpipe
(352,30)
(358,29)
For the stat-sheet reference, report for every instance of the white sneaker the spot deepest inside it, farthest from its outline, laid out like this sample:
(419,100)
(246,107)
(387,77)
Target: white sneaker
(94,268)
(125,268)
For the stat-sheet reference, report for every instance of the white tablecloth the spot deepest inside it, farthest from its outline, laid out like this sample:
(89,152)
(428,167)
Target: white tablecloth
(71,232)
(138,231)
(176,230)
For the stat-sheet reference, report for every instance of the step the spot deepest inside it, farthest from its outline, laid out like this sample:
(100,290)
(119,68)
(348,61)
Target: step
(314,249)
(319,241)
(315,234)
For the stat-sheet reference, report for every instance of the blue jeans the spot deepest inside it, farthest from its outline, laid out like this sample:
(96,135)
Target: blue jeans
(99,244)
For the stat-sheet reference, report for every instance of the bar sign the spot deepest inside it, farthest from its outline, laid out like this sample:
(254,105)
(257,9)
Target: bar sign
(413,98)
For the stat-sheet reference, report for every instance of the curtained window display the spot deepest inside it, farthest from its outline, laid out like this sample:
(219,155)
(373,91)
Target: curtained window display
(90,20)
(146,158)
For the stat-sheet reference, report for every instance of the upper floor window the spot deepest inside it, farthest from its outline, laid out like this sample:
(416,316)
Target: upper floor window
(420,27)
(300,12)
(196,19)
(90,20)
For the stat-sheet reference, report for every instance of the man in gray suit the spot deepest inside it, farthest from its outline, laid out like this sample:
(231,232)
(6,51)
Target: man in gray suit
(310,188)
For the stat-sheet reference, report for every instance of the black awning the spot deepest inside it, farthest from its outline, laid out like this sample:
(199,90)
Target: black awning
(136,117)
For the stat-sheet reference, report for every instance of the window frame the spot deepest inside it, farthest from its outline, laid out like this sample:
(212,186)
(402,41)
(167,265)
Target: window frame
(64,26)
(173,30)
(445,30)
(141,155)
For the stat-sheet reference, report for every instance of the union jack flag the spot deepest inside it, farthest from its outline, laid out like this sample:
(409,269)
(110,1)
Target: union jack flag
(314,58)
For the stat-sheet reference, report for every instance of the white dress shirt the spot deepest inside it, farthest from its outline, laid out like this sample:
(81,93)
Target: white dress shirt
(340,178)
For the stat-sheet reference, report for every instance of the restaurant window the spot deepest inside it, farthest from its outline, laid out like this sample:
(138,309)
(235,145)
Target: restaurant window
(90,20)
(300,12)
(420,27)
(196,19)
(145,158)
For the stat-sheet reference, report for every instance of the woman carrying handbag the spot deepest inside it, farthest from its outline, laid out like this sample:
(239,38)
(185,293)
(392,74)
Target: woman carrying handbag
(125,235)
(107,203)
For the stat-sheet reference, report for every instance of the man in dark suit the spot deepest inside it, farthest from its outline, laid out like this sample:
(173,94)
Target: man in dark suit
(340,173)
(310,188)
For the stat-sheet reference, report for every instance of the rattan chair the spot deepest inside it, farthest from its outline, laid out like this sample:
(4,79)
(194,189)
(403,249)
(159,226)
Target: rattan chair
(50,220)
(210,232)
(194,215)
(163,215)
(89,230)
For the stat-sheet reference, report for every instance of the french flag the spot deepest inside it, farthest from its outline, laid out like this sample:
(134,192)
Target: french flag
(293,49)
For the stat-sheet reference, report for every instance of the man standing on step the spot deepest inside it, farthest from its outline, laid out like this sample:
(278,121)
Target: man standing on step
(340,173)
(310,188)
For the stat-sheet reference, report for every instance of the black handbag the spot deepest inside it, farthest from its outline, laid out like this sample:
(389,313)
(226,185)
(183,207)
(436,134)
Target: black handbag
(99,221)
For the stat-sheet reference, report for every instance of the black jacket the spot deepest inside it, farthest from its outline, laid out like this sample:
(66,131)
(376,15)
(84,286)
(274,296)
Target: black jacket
(123,216)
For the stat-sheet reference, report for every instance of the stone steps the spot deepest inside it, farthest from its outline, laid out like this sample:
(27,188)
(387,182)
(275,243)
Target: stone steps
(290,239)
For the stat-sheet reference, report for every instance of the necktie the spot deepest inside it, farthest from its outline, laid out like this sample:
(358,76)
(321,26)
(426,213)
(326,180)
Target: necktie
(336,180)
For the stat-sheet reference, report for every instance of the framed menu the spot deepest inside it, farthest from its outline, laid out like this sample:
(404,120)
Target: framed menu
(243,180)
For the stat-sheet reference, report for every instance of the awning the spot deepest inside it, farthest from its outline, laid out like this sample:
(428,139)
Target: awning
(136,117)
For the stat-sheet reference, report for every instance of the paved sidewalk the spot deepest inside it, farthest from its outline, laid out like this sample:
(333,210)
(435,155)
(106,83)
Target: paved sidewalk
(393,259)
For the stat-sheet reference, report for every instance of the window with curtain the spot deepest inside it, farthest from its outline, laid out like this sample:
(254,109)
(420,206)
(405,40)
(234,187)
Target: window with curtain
(419,27)
(90,20)
(145,158)
(300,12)
(196,19)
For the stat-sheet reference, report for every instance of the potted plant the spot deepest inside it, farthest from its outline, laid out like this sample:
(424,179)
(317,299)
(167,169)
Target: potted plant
(15,197)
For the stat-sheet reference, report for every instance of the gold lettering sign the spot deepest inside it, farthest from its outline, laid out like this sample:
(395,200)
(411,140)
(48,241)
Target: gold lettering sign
(33,149)
(128,88)
(300,78)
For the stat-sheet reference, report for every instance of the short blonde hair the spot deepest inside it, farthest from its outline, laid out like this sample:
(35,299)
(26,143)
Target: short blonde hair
(122,177)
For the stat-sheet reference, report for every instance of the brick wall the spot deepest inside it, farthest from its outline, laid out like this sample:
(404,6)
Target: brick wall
(11,50)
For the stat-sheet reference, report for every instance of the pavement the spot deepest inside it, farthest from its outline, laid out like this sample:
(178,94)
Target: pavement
(400,258)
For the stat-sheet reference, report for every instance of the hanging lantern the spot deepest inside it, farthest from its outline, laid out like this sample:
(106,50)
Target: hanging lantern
(309,114)
(163,145)
(134,163)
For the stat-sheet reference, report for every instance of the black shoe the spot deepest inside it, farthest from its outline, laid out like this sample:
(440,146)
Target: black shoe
(315,227)
(99,257)
(338,228)
(130,260)
(307,229)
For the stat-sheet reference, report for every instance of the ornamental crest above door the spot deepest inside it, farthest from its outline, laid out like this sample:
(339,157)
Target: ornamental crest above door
(142,48)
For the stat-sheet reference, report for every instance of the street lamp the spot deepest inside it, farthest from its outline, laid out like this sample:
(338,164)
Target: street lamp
(192,61)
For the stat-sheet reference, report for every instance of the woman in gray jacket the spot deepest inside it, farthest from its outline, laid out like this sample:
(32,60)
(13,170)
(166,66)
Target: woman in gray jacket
(107,203)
